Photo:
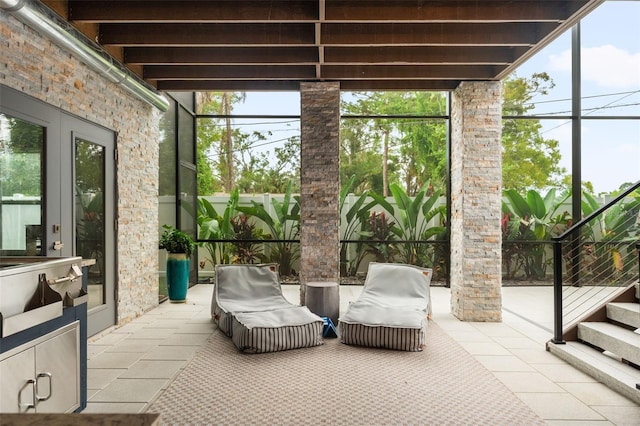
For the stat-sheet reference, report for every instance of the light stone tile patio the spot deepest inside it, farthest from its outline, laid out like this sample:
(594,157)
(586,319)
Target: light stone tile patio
(513,350)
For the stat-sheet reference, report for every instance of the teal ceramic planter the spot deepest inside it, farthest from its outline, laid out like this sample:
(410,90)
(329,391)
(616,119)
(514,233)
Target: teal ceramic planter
(177,277)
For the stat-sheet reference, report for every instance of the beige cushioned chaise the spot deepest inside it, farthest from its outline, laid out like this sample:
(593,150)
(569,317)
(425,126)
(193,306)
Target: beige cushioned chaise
(392,311)
(249,307)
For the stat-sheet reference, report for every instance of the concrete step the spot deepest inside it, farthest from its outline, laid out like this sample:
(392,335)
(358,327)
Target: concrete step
(617,340)
(620,377)
(625,313)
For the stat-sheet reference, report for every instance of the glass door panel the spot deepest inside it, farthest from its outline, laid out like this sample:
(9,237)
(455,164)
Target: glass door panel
(90,214)
(21,187)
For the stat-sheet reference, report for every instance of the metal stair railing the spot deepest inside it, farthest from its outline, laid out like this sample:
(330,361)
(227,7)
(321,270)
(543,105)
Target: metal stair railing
(595,258)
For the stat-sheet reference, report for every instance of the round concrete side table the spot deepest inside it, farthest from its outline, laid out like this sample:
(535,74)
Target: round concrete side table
(323,299)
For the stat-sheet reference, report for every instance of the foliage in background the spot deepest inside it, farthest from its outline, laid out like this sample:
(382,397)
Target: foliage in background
(611,238)
(352,254)
(413,217)
(379,230)
(228,156)
(391,146)
(528,224)
(21,157)
(283,228)
(215,226)
(529,161)
(247,250)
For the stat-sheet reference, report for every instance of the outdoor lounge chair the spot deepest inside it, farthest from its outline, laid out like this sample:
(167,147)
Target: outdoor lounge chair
(392,311)
(249,307)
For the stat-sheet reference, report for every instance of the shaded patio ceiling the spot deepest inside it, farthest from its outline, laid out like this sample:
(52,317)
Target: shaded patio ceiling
(364,44)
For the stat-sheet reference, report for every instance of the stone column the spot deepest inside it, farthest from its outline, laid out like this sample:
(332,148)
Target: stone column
(476,180)
(320,183)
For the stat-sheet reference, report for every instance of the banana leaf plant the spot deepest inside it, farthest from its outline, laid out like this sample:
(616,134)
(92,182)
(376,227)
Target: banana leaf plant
(284,229)
(412,222)
(215,226)
(528,225)
(612,237)
(352,254)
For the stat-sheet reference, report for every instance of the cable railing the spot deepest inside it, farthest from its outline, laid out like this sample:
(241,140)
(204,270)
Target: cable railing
(596,258)
(354,255)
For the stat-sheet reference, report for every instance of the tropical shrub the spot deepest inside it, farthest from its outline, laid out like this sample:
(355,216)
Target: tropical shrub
(413,223)
(352,254)
(528,224)
(214,226)
(611,237)
(284,229)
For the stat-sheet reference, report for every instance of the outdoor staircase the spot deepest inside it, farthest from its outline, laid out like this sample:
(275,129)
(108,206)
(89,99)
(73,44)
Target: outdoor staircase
(606,345)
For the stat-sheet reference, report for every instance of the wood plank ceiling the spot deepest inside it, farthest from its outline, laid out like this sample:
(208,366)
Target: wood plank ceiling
(364,44)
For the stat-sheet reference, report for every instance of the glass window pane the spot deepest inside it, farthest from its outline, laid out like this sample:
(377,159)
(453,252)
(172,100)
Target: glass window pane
(90,231)
(610,153)
(536,154)
(185,98)
(254,155)
(185,136)
(188,201)
(167,174)
(249,103)
(393,147)
(21,187)
(555,61)
(610,57)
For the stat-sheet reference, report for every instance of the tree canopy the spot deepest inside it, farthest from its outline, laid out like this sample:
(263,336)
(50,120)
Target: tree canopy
(386,138)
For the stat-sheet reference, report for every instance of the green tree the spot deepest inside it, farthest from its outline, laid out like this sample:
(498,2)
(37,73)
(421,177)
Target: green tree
(529,161)
(228,157)
(392,146)
(21,157)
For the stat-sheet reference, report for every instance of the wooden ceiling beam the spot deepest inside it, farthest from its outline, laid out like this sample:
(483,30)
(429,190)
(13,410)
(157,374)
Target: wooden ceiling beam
(450,10)
(206,34)
(293,85)
(433,34)
(394,85)
(220,55)
(423,54)
(412,72)
(234,72)
(192,10)
(229,85)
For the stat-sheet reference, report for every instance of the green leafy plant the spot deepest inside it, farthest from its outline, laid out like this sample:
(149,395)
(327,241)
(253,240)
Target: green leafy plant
(213,226)
(246,249)
(176,241)
(528,225)
(284,228)
(380,228)
(413,219)
(352,254)
(612,236)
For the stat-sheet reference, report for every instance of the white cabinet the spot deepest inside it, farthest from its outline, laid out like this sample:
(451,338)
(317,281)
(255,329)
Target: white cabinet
(42,376)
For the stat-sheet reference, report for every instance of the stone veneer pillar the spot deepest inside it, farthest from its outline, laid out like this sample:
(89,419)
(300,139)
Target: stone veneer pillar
(476,180)
(320,183)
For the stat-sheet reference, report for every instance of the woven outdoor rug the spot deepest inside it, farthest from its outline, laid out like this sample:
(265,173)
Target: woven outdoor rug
(336,384)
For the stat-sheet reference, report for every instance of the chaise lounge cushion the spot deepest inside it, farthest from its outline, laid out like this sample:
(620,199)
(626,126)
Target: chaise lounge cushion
(245,288)
(277,330)
(248,306)
(392,310)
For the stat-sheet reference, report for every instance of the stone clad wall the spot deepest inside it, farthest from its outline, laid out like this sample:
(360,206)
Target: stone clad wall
(320,182)
(35,66)
(476,180)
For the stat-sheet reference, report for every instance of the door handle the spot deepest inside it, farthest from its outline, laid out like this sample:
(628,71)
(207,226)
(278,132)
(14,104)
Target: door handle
(24,407)
(36,393)
(57,245)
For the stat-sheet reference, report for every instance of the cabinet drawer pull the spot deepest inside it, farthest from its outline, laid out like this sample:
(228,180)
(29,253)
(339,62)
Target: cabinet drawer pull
(37,394)
(24,407)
